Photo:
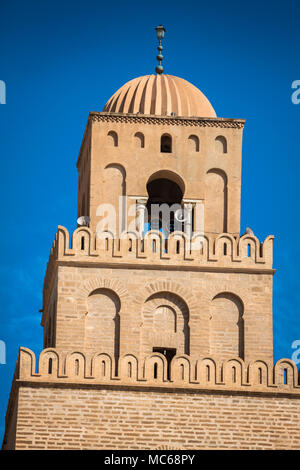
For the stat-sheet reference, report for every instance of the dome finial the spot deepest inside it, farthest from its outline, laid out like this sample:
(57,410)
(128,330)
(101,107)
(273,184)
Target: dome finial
(160,32)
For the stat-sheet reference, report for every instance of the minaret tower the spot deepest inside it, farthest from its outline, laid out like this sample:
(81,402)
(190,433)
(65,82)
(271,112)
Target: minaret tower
(156,300)
(159,143)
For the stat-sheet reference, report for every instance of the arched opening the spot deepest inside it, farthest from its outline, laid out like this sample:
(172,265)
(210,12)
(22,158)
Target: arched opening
(139,140)
(155,370)
(221,144)
(76,366)
(113,138)
(164,202)
(260,376)
(216,201)
(226,326)
(166,143)
(169,353)
(165,327)
(102,322)
(164,318)
(114,189)
(194,143)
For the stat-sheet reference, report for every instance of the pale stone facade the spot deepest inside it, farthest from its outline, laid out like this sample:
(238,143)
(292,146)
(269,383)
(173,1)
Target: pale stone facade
(153,340)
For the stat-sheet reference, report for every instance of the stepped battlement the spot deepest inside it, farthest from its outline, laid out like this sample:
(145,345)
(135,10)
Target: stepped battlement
(183,372)
(201,252)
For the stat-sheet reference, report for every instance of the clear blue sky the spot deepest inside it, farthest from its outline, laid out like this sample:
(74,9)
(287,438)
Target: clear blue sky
(62,59)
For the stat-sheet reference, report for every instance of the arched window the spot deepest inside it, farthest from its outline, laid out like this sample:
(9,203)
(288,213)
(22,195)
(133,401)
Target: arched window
(226,326)
(114,188)
(166,143)
(165,324)
(102,322)
(194,143)
(221,144)
(139,140)
(216,201)
(165,200)
(113,138)
(164,318)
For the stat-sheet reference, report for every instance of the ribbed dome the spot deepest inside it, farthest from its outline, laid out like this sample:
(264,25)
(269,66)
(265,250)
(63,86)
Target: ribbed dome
(160,95)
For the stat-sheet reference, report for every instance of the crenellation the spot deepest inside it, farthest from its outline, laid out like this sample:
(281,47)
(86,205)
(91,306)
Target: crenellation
(208,254)
(186,372)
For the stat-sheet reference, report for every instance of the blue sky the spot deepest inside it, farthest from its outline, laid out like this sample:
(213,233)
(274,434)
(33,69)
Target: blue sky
(60,60)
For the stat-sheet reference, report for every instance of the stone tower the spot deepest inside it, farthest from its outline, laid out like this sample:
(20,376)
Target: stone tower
(157,330)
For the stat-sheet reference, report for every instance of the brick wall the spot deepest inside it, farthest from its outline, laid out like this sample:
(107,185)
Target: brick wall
(99,418)
(196,290)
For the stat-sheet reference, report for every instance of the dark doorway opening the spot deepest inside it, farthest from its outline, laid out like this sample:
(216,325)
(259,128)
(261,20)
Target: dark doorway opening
(164,192)
(169,353)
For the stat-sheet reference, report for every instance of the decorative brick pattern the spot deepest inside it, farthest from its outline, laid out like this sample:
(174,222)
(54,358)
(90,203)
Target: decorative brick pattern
(177,121)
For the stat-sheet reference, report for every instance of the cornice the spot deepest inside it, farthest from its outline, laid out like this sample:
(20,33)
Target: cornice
(162,388)
(167,120)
